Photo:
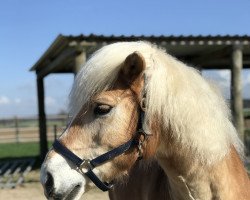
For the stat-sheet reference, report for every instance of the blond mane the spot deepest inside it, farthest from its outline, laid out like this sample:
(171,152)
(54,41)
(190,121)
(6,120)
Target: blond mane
(198,115)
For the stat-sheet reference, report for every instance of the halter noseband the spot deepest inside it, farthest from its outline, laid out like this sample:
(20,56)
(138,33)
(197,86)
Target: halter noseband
(91,164)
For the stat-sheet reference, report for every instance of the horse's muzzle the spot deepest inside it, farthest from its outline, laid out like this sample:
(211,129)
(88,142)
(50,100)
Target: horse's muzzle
(50,193)
(49,186)
(60,180)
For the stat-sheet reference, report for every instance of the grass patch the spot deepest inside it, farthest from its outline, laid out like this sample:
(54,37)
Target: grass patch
(11,150)
(14,150)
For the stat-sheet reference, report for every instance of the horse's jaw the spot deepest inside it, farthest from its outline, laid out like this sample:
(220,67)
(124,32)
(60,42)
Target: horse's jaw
(66,183)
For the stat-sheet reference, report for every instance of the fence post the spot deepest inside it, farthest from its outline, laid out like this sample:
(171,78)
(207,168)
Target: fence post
(17,129)
(55,131)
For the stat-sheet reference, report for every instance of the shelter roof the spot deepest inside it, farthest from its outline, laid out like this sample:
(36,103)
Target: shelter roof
(206,52)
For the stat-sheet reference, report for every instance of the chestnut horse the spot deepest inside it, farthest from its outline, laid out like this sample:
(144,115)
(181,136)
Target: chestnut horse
(132,99)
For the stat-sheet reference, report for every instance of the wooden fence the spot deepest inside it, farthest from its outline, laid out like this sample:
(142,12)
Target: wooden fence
(17,130)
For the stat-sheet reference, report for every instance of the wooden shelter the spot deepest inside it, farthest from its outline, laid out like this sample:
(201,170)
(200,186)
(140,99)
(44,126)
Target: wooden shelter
(68,53)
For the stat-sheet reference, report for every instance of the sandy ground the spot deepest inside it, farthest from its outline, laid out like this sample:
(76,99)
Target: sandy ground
(32,190)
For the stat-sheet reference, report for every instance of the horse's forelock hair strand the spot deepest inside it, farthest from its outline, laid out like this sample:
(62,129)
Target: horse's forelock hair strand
(100,71)
(197,115)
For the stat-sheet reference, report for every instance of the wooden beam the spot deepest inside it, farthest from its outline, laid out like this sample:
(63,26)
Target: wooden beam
(55,64)
(221,63)
(236,89)
(42,119)
(208,56)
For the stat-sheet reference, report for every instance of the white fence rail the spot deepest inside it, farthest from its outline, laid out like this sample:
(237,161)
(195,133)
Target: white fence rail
(26,129)
(28,134)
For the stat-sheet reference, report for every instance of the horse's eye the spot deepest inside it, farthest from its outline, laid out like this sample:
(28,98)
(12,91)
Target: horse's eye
(102,109)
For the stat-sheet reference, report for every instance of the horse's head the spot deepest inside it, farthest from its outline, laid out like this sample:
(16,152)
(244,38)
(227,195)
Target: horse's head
(106,121)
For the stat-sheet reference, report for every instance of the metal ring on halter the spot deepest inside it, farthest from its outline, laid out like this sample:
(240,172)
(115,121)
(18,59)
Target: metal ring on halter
(86,165)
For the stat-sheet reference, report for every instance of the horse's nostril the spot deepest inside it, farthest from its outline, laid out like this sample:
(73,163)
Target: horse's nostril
(49,185)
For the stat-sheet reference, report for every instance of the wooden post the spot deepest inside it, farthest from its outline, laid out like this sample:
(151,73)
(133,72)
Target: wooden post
(79,61)
(55,131)
(236,90)
(17,129)
(42,119)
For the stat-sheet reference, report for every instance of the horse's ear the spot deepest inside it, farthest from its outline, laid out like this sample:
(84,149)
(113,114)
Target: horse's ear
(133,67)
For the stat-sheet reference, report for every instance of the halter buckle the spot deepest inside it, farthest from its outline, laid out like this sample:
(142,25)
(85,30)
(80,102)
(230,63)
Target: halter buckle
(85,166)
(141,132)
(143,104)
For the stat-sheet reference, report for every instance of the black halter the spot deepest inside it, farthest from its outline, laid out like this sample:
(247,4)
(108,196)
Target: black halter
(91,164)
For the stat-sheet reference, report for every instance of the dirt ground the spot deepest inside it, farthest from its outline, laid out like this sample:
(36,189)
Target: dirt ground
(32,190)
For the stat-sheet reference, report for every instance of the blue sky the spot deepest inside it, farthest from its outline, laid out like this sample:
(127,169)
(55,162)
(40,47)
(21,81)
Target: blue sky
(28,27)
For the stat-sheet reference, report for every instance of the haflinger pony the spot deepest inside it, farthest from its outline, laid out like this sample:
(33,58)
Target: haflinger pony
(131,100)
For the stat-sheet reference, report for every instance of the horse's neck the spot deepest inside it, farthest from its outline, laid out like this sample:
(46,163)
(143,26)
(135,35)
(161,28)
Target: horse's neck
(226,179)
(145,181)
